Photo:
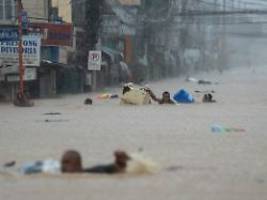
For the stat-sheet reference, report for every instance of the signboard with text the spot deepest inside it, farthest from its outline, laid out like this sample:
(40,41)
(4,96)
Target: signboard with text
(9,33)
(30,74)
(94,60)
(53,34)
(31,51)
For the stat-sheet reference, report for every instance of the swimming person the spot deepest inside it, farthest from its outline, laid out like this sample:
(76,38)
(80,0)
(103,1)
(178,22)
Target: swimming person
(71,162)
(88,101)
(119,165)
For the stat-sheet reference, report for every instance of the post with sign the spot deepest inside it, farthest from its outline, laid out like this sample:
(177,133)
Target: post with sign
(94,64)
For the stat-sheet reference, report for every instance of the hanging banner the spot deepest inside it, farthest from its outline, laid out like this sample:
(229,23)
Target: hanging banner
(94,60)
(31,51)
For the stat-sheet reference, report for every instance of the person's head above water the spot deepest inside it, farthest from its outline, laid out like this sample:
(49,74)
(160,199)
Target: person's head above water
(71,162)
(121,159)
(208,98)
(88,101)
(166,96)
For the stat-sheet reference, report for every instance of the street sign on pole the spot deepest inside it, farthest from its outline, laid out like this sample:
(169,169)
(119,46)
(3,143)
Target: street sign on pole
(94,60)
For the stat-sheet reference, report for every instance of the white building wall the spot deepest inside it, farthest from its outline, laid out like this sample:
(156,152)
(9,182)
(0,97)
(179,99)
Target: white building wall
(38,10)
(64,8)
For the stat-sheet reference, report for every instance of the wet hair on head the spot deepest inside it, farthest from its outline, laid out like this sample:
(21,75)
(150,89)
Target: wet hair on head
(71,161)
(121,154)
(126,89)
(165,93)
(88,101)
(209,96)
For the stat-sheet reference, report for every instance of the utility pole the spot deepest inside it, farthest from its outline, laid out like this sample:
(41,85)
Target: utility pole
(21,67)
(92,26)
(21,99)
(223,42)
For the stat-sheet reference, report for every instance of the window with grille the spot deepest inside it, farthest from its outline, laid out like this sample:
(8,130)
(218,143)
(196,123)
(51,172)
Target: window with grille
(1,9)
(7,9)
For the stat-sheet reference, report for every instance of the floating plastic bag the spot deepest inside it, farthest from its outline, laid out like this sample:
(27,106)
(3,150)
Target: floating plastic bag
(136,96)
(141,165)
(183,96)
(44,166)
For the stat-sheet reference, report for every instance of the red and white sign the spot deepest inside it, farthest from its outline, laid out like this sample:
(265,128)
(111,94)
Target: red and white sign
(94,60)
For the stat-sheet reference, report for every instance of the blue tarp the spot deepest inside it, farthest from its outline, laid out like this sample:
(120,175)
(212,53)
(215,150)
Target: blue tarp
(183,96)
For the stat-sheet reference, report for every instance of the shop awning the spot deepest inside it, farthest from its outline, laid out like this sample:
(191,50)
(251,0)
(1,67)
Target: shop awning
(111,52)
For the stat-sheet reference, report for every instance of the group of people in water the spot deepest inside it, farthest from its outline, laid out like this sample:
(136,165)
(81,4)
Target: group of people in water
(164,99)
(71,162)
(22,99)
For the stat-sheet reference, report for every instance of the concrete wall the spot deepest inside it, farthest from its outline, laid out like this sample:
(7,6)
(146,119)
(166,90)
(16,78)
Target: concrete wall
(64,9)
(37,9)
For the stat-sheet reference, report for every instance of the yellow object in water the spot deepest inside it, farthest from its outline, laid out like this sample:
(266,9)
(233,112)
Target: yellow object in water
(141,165)
(104,96)
(136,96)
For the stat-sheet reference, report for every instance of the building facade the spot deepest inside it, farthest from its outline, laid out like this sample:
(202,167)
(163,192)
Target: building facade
(52,75)
(7,11)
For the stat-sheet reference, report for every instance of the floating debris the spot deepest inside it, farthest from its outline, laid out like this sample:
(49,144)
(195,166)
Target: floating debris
(52,113)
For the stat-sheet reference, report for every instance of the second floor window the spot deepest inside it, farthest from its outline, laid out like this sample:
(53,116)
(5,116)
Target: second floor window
(7,9)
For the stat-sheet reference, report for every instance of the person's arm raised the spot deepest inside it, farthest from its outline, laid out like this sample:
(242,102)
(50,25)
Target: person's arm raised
(152,95)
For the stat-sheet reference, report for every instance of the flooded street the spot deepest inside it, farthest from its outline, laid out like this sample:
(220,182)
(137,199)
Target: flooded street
(207,165)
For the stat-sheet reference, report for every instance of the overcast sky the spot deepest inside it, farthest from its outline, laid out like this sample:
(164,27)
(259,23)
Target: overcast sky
(65,11)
